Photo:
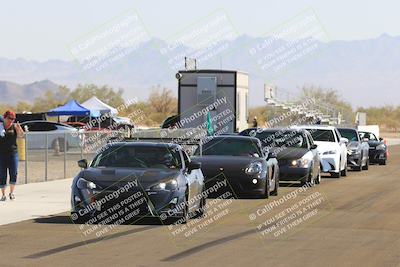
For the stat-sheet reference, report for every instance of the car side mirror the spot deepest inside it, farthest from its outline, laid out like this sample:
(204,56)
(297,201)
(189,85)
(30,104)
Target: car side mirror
(380,139)
(344,140)
(83,163)
(271,155)
(314,146)
(365,139)
(194,165)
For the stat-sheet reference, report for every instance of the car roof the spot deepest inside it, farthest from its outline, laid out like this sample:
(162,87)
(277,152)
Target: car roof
(239,137)
(347,128)
(299,130)
(50,122)
(146,144)
(320,127)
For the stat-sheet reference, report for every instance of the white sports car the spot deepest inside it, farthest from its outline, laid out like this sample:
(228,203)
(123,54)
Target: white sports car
(331,147)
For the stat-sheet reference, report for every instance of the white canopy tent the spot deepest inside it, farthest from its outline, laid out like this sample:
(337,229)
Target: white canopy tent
(96,104)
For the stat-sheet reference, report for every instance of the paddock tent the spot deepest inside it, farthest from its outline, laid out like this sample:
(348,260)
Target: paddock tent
(95,104)
(73,108)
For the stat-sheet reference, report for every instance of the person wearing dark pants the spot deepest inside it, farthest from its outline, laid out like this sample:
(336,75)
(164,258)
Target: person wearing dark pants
(9,131)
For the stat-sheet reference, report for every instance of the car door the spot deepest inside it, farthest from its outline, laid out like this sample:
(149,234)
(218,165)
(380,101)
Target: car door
(364,148)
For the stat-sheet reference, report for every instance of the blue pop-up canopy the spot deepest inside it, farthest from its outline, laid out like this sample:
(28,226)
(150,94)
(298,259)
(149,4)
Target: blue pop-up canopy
(72,108)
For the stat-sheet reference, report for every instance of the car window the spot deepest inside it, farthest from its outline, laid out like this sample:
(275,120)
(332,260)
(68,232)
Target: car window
(322,135)
(369,136)
(41,127)
(231,147)
(350,134)
(138,157)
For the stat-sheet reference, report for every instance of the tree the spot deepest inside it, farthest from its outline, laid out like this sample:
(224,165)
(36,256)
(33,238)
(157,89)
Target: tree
(163,101)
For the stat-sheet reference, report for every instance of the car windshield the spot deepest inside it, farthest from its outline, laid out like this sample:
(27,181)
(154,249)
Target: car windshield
(230,147)
(369,136)
(282,139)
(138,157)
(322,135)
(349,134)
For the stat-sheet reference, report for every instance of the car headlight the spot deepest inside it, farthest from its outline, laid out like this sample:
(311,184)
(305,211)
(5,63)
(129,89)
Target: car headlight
(353,151)
(254,168)
(330,152)
(84,184)
(166,185)
(302,163)
(381,147)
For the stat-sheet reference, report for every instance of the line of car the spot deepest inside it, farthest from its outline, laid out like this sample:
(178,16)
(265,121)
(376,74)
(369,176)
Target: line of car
(250,164)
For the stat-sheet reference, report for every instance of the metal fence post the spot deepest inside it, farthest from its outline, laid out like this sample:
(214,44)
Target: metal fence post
(26,158)
(81,143)
(46,157)
(65,155)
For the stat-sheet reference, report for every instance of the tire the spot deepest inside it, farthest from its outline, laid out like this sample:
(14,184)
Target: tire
(366,167)
(275,191)
(335,174)
(185,216)
(79,219)
(308,179)
(383,162)
(318,179)
(200,212)
(344,171)
(266,193)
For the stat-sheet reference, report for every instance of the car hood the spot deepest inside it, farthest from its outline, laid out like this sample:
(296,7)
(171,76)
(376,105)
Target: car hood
(374,143)
(353,144)
(288,153)
(325,146)
(211,165)
(113,178)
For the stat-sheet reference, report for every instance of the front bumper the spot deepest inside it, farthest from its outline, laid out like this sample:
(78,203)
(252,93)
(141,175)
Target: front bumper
(377,155)
(354,160)
(237,184)
(289,173)
(132,204)
(330,160)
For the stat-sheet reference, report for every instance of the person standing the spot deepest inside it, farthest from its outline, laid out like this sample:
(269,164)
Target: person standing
(9,131)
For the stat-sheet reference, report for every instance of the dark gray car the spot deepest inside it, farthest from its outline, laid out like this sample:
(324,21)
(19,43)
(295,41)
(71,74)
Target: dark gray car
(296,152)
(133,179)
(357,149)
(240,164)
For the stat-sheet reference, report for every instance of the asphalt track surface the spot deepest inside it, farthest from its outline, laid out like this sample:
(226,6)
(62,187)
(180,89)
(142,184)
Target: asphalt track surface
(350,221)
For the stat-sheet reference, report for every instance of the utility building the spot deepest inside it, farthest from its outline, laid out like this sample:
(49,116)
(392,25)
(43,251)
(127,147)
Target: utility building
(219,96)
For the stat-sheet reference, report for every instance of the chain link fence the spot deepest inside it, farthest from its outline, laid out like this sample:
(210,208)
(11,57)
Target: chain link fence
(46,156)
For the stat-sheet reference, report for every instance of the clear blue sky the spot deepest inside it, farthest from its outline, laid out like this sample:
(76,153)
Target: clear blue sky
(41,29)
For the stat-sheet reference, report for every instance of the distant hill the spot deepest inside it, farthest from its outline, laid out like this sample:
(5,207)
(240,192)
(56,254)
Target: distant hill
(11,92)
(365,72)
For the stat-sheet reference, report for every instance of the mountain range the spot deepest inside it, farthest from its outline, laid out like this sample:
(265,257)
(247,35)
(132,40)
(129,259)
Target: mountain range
(364,72)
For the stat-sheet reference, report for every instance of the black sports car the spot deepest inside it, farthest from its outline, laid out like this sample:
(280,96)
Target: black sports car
(296,152)
(240,161)
(357,149)
(378,150)
(136,179)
